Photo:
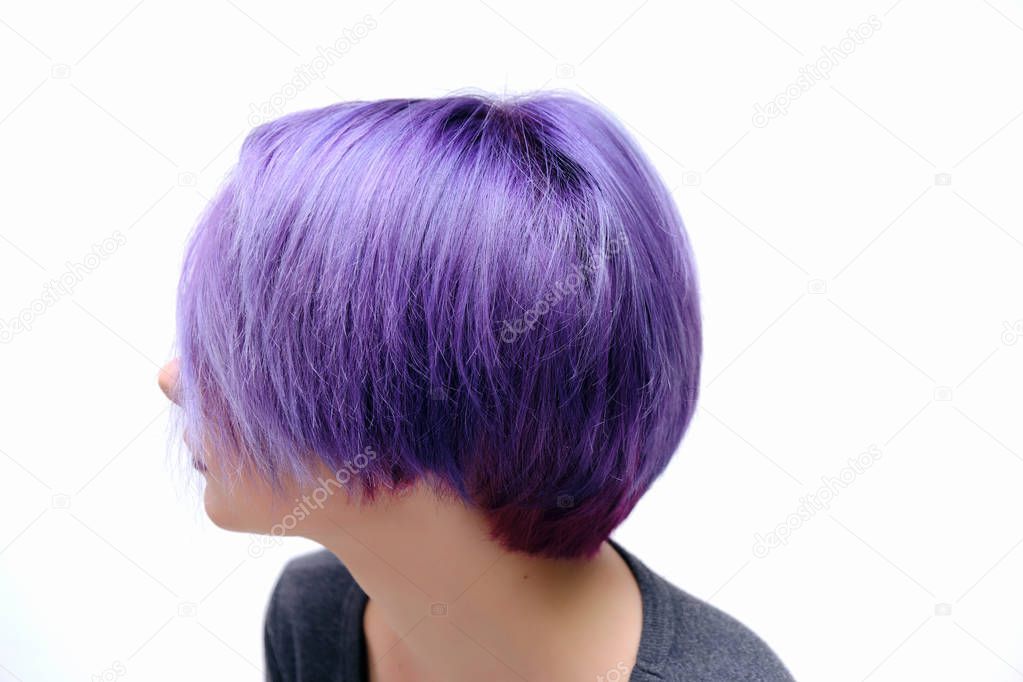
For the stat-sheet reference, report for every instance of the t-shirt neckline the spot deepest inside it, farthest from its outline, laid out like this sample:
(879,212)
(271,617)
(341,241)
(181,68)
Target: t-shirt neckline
(654,642)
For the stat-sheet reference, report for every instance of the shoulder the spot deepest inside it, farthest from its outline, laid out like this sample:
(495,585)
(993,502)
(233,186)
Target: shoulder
(685,638)
(320,574)
(310,593)
(306,626)
(712,645)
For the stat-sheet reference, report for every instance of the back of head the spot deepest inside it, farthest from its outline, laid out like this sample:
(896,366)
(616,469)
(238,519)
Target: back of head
(497,296)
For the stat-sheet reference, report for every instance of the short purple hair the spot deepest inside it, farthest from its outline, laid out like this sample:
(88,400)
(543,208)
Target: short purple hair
(494,295)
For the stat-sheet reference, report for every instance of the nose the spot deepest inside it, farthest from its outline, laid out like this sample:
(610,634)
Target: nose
(168,379)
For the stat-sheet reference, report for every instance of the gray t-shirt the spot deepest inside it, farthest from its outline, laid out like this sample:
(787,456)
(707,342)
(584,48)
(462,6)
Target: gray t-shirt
(313,631)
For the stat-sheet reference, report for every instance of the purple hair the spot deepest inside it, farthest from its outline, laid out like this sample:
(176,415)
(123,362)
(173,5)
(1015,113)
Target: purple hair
(497,296)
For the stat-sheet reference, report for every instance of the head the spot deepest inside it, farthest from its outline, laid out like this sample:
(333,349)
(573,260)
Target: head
(492,298)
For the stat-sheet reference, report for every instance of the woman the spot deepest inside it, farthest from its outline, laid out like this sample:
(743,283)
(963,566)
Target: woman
(454,341)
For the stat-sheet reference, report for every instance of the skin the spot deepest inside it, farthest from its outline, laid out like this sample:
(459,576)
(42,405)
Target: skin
(446,603)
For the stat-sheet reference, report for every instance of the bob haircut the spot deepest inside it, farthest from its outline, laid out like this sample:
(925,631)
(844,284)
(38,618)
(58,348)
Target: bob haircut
(496,296)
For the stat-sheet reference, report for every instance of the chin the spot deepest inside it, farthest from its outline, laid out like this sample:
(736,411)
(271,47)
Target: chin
(248,510)
(224,514)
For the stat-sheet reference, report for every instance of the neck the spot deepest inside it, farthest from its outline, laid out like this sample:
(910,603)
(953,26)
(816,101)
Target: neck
(447,603)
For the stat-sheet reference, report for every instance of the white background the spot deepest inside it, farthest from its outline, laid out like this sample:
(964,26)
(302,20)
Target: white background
(860,259)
